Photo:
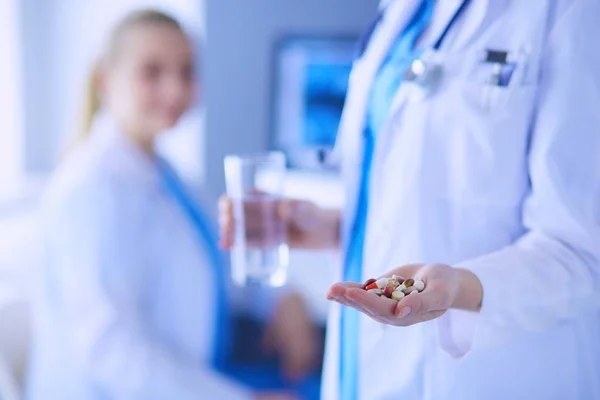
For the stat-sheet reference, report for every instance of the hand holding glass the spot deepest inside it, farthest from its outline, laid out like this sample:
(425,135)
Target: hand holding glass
(254,185)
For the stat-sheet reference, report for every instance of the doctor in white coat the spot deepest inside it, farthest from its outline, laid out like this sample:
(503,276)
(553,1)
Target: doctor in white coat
(131,293)
(470,138)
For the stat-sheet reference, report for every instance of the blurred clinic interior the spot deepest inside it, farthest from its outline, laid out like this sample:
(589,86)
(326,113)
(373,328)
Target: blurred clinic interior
(222,77)
(177,178)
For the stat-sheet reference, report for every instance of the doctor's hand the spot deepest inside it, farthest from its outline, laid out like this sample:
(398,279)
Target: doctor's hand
(445,288)
(307,225)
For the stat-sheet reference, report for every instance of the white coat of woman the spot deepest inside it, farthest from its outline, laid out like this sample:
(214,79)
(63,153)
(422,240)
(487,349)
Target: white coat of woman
(127,306)
(485,184)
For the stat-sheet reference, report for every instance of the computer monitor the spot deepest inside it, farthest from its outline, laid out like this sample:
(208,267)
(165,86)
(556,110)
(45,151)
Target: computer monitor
(311,81)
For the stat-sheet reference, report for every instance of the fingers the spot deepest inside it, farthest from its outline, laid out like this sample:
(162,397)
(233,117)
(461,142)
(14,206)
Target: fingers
(226,222)
(265,222)
(342,293)
(339,289)
(261,223)
(292,210)
(225,204)
(433,298)
(409,311)
(374,305)
(338,293)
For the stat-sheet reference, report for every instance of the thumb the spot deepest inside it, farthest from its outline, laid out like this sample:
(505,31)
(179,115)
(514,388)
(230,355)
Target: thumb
(426,301)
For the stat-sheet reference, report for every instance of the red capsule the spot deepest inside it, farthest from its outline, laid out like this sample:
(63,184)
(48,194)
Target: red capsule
(372,285)
(368,283)
(387,292)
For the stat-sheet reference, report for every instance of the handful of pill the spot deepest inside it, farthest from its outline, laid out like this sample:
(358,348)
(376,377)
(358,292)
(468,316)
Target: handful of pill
(393,288)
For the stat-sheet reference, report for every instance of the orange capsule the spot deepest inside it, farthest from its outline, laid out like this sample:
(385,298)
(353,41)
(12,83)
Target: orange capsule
(368,283)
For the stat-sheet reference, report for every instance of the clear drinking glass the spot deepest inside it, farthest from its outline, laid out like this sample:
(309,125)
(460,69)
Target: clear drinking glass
(260,254)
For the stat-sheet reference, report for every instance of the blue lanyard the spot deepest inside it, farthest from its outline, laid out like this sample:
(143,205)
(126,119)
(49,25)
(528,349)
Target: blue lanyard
(208,241)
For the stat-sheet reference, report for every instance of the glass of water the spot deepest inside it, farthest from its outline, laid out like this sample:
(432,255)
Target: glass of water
(260,254)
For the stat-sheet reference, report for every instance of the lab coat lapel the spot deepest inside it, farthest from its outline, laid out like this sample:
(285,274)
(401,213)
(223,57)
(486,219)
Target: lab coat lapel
(478,12)
(352,125)
(365,68)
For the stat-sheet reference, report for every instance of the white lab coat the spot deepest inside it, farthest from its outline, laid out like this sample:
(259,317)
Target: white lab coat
(125,305)
(504,181)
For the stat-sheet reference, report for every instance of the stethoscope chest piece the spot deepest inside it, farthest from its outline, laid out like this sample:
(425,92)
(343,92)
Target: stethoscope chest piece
(423,76)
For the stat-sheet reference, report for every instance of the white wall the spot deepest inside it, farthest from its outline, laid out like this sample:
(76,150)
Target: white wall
(37,25)
(240,36)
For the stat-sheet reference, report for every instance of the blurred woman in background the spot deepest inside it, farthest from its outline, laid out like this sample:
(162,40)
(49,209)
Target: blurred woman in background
(132,301)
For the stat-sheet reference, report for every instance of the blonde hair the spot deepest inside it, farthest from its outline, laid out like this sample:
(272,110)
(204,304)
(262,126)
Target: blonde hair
(133,20)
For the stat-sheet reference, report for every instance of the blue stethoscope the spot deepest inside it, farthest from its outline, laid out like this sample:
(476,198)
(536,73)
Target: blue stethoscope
(421,71)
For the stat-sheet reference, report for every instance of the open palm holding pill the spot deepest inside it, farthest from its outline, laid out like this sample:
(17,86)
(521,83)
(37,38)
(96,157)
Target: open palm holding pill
(411,294)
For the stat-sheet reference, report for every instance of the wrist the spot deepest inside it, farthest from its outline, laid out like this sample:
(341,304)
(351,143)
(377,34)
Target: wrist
(469,295)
